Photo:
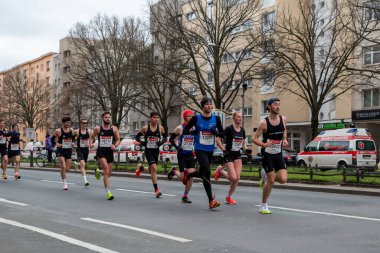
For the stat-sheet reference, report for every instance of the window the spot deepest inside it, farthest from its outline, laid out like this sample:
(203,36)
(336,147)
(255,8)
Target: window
(135,126)
(312,146)
(247,25)
(371,98)
(191,90)
(231,57)
(239,83)
(66,84)
(372,55)
(264,104)
(66,69)
(294,140)
(210,77)
(322,4)
(269,22)
(25,73)
(37,77)
(334,145)
(192,15)
(267,83)
(66,53)
(365,145)
(47,65)
(48,80)
(268,3)
(372,10)
(247,111)
(248,140)
(142,123)
(142,105)
(268,51)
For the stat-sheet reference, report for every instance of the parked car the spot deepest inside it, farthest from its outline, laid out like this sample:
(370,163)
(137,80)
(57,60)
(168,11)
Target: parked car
(217,156)
(168,153)
(290,157)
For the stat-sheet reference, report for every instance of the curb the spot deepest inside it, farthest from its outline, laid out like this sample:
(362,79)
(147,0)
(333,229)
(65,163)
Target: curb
(337,188)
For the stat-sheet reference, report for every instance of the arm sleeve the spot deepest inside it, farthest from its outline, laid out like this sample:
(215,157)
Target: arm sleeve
(219,127)
(138,137)
(192,123)
(171,140)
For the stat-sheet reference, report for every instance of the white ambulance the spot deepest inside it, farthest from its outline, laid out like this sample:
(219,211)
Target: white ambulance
(342,148)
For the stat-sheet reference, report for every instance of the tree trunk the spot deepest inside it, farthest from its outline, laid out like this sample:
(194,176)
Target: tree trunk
(314,123)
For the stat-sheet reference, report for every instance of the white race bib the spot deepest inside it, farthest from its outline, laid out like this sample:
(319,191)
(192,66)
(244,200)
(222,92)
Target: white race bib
(152,142)
(275,148)
(206,138)
(15,146)
(3,140)
(188,143)
(105,141)
(84,143)
(66,143)
(237,144)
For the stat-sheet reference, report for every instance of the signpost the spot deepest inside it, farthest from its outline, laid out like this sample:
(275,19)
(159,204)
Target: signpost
(30,133)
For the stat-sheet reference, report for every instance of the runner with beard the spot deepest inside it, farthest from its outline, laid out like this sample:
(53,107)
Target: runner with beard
(235,141)
(185,153)
(154,137)
(82,136)
(108,140)
(14,153)
(64,137)
(207,127)
(3,148)
(273,129)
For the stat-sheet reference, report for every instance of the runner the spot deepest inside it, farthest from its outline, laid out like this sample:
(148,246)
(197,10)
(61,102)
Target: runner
(3,148)
(154,137)
(235,141)
(273,129)
(185,154)
(207,126)
(108,140)
(82,136)
(14,153)
(64,137)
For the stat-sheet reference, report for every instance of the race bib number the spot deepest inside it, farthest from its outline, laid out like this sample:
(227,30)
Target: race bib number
(188,143)
(152,142)
(206,138)
(105,141)
(3,140)
(237,144)
(66,143)
(84,143)
(275,148)
(15,146)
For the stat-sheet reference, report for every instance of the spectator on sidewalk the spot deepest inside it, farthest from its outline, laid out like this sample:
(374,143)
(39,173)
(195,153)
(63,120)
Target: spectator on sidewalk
(49,147)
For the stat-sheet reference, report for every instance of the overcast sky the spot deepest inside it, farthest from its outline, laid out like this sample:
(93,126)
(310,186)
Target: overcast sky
(31,28)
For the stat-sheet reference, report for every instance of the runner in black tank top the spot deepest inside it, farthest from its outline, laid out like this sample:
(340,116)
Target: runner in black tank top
(83,137)
(108,141)
(235,143)
(14,153)
(273,129)
(152,142)
(3,148)
(65,137)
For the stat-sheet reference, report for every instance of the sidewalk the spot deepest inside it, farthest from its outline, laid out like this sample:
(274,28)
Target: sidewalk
(336,188)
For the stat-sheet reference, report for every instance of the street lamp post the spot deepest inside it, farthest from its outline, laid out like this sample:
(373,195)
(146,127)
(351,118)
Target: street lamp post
(244,86)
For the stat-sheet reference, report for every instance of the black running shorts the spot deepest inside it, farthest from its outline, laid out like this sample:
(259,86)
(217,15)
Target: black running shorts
(272,162)
(185,161)
(82,154)
(232,156)
(105,153)
(65,152)
(151,155)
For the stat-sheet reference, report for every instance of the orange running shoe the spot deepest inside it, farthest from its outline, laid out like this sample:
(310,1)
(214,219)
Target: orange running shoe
(213,204)
(230,201)
(139,169)
(217,173)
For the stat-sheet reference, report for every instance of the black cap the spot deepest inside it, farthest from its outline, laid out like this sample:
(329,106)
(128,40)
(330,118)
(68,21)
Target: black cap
(205,100)
(272,100)
(154,114)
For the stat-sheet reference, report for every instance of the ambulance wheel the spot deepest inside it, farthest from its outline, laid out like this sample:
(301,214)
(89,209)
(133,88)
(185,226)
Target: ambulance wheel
(301,164)
(342,166)
(167,160)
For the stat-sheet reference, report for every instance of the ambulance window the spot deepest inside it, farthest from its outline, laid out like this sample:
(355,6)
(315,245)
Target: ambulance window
(312,146)
(334,145)
(365,145)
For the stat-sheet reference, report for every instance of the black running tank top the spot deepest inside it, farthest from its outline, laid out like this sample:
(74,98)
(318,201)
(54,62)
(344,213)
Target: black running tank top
(66,139)
(275,134)
(83,139)
(106,138)
(152,138)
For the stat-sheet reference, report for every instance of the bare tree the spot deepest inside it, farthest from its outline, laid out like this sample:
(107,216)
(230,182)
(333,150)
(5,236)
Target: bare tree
(27,100)
(212,39)
(317,51)
(81,105)
(105,61)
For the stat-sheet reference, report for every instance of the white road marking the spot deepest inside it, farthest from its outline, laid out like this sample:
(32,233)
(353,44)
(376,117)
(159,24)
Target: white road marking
(58,236)
(12,202)
(324,213)
(125,190)
(57,182)
(142,230)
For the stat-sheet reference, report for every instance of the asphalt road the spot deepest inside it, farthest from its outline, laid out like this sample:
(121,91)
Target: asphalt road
(36,215)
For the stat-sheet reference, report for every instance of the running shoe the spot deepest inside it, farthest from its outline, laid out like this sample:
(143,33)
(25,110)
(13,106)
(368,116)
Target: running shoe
(139,169)
(4,176)
(158,193)
(17,176)
(86,184)
(230,201)
(184,178)
(185,199)
(97,174)
(264,210)
(109,196)
(263,179)
(213,204)
(171,173)
(65,187)
(217,173)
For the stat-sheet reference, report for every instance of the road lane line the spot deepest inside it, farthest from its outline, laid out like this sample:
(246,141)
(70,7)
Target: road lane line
(13,202)
(142,230)
(57,182)
(58,236)
(324,213)
(126,190)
